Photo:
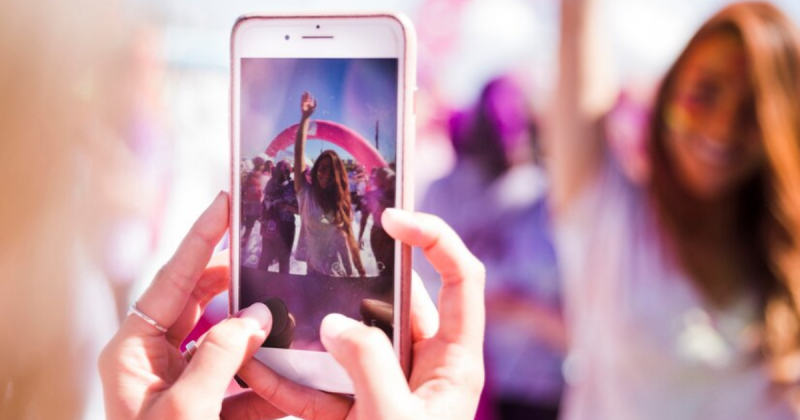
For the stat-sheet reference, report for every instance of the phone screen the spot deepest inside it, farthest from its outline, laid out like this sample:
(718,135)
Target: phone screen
(315,247)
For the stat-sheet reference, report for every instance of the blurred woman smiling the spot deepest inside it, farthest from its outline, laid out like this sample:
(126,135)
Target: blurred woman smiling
(681,294)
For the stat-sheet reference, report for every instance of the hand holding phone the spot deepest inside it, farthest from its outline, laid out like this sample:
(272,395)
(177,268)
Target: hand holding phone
(447,373)
(446,378)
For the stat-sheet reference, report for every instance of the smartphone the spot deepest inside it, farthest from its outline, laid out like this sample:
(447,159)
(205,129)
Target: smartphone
(322,124)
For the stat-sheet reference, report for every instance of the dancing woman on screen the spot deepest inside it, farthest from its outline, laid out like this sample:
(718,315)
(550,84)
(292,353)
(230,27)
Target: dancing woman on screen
(326,213)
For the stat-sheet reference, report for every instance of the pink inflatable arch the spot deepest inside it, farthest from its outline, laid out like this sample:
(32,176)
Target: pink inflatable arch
(344,137)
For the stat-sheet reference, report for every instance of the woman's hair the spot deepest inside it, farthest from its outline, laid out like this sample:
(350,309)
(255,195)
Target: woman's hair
(769,203)
(335,200)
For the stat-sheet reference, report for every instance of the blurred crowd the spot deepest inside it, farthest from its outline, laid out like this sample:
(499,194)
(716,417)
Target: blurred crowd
(107,157)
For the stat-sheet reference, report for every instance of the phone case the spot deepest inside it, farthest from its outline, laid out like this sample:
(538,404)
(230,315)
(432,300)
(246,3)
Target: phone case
(407,182)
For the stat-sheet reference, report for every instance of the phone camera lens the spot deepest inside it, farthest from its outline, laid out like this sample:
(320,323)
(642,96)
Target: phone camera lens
(317,26)
(286,37)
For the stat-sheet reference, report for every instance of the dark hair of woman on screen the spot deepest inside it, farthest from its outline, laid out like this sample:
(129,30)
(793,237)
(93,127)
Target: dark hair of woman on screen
(691,282)
(327,242)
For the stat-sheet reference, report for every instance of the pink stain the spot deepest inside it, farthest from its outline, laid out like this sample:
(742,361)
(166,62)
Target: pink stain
(338,134)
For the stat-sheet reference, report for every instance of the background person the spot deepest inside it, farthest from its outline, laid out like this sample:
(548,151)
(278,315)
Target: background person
(374,202)
(495,199)
(278,219)
(253,196)
(681,291)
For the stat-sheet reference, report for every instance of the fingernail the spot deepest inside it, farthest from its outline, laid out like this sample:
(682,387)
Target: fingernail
(214,203)
(334,325)
(221,195)
(400,216)
(259,313)
(217,197)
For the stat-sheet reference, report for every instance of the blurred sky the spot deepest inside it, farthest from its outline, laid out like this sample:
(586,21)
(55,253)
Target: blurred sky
(355,93)
(490,35)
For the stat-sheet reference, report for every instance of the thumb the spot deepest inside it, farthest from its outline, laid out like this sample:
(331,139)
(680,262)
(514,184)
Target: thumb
(223,351)
(367,356)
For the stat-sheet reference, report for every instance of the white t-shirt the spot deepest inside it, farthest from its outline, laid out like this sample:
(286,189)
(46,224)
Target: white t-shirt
(643,344)
(322,244)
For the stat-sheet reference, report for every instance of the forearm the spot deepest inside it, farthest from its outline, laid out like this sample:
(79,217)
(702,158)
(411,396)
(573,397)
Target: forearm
(299,152)
(584,93)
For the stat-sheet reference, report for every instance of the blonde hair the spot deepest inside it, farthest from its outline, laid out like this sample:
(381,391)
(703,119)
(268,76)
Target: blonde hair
(62,112)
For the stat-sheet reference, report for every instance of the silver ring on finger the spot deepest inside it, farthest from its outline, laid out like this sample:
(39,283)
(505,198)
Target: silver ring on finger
(144,317)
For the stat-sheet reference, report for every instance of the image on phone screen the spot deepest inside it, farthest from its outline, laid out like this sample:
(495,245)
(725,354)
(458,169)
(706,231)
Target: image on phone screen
(311,243)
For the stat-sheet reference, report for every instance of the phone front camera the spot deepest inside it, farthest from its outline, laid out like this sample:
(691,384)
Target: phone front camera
(286,37)
(317,26)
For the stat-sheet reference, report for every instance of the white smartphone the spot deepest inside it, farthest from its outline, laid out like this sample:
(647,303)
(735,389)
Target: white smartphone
(321,132)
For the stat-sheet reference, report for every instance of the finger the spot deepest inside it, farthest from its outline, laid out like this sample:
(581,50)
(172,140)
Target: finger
(461,306)
(367,356)
(249,406)
(167,296)
(424,316)
(214,280)
(222,352)
(292,398)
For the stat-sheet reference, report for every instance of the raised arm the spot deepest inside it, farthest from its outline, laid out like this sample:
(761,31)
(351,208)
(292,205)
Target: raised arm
(307,106)
(585,92)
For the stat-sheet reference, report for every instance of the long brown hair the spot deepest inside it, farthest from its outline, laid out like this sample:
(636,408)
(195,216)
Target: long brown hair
(769,204)
(335,200)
